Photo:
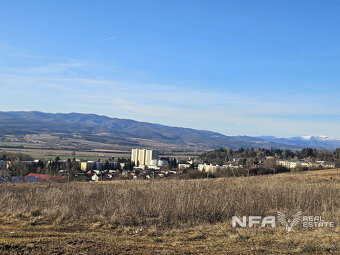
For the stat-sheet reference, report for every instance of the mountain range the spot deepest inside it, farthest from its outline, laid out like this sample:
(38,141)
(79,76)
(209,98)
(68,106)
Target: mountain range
(128,132)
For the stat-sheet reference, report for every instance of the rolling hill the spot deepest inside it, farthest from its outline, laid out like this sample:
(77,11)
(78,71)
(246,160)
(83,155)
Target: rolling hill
(108,130)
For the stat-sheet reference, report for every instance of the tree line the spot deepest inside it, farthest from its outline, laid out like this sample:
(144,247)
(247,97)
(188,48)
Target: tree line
(225,155)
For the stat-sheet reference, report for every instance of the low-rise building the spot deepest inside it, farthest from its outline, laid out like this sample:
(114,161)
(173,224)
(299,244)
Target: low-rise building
(291,164)
(208,168)
(163,163)
(154,167)
(87,166)
(183,166)
(231,166)
(158,164)
(95,178)
(288,164)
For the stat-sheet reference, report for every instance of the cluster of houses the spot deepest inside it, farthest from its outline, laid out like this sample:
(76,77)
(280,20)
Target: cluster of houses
(98,165)
(6,164)
(144,164)
(203,167)
(291,164)
(32,177)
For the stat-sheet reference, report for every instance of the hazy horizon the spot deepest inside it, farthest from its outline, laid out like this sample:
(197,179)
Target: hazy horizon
(263,135)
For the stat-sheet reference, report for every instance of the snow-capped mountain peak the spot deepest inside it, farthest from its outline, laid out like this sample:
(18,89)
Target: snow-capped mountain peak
(319,138)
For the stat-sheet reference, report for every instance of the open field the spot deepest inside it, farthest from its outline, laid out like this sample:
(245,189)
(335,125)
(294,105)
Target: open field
(169,216)
(92,154)
(49,154)
(49,146)
(86,152)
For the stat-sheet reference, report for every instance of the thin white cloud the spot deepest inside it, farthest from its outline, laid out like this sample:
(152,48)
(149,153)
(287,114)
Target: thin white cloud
(102,40)
(108,39)
(60,87)
(270,95)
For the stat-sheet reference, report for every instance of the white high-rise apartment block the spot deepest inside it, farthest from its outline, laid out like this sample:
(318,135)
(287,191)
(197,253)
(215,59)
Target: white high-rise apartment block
(134,155)
(143,157)
(151,155)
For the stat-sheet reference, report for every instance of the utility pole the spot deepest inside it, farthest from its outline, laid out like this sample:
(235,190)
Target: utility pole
(68,178)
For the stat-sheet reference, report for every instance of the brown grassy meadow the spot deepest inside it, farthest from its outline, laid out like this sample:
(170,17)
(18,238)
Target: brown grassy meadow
(168,216)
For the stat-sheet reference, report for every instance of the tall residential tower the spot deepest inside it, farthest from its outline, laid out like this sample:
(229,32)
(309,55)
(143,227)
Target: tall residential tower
(143,157)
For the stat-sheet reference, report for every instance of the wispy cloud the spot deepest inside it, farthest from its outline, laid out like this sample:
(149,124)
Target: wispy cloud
(64,87)
(107,39)
(270,94)
(101,40)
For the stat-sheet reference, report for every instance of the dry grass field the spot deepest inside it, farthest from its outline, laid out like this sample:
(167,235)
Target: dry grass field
(49,146)
(169,216)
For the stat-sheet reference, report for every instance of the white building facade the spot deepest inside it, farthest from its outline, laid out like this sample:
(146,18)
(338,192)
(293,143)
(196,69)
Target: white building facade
(143,157)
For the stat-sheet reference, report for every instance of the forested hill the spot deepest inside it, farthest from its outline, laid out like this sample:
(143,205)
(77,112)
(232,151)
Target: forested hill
(125,131)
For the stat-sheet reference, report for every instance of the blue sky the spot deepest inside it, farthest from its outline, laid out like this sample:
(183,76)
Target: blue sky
(235,67)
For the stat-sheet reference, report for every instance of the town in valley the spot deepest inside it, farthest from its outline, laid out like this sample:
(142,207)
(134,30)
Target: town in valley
(150,164)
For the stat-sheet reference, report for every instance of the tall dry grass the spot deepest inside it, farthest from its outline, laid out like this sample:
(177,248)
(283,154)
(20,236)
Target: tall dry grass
(171,203)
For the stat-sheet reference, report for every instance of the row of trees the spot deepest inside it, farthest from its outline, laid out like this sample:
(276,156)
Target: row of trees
(229,172)
(222,156)
(8,156)
(53,167)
